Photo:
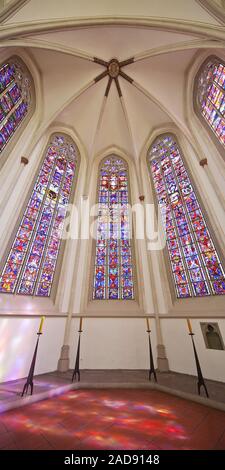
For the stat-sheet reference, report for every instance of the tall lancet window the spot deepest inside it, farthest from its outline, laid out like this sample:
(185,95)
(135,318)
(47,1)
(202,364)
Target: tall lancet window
(30,265)
(15,97)
(195,263)
(114,269)
(210,86)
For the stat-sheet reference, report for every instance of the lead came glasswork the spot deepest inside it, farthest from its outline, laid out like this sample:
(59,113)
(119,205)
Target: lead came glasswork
(195,263)
(113,272)
(211,96)
(15,98)
(31,262)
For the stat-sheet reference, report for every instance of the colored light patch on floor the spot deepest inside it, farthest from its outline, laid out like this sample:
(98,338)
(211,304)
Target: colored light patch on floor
(113,419)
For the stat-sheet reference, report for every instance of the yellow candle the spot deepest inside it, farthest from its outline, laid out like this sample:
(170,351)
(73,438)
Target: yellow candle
(80,327)
(41,324)
(148,324)
(189,326)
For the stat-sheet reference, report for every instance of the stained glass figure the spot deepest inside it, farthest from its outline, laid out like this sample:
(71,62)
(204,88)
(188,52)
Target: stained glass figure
(211,96)
(31,262)
(114,268)
(15,98)
(196,266)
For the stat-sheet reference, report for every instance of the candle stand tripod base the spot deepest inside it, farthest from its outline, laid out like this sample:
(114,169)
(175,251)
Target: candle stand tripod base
(76,372)
(152,367)
(201,381)
(29,381)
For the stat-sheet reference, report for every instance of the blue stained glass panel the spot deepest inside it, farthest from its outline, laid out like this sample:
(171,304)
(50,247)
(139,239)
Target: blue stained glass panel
(211,96)
(15,99)
(195,264)
(31,262)
(113,274)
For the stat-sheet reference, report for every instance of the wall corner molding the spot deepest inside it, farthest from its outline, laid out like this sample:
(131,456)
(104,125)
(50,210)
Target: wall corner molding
(218,12)
(11,8)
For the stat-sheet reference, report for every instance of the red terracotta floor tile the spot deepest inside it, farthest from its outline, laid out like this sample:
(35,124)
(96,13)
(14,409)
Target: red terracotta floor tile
(32,442)
(81,430)
(113,419)
(220,445)
(2,428)
(74,422)
(6,439)
(62,442)
(209,432)
(109,443)
(190,422)
(45,446)
(10,447)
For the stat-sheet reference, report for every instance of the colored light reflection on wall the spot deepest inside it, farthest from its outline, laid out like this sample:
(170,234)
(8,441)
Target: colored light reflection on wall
(15,346)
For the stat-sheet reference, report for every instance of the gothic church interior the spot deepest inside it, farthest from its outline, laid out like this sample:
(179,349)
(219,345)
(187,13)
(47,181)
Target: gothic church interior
(112,168)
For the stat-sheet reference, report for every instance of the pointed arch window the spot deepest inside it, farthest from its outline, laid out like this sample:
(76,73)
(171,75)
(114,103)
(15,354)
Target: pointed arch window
(195,263)
(114,268)
(30,265)
(16,98)
(210,96)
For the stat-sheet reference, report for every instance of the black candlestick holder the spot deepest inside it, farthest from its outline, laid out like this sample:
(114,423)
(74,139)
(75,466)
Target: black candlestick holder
(29,381)
(76,372)
(201,381)
(152,367)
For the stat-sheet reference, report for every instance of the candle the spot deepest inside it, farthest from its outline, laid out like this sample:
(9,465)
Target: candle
(80,327)
(41,324)
(189,326)
(148,325)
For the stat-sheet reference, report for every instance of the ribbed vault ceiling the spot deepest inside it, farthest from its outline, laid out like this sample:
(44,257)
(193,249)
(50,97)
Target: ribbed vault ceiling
(78,92)
(123,119)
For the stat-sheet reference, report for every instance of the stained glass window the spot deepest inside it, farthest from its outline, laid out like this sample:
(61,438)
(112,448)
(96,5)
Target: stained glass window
(31,262)
(196,266)
(15,98)
(211,96)
(114,269)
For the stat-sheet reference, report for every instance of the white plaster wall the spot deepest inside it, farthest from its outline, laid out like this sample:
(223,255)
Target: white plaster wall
(108,343)
(180,351)
(105,344)
(17,342)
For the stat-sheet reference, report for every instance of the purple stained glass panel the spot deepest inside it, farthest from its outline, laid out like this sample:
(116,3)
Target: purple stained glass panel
(37,243)
(195,263)
(113,274)
(211,96)
(15,98)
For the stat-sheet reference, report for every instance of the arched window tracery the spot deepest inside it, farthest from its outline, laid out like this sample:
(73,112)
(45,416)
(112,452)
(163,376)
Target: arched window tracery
(16,98)
(210,96)
(31,263)
(114,267)
(194,260)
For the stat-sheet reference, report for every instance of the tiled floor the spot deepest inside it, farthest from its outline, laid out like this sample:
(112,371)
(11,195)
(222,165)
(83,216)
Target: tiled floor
(113,419)
(56,382)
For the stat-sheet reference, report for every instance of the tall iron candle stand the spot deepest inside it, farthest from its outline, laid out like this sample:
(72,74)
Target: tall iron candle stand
(30,377)
(152,368)
(76,372)
(201,382)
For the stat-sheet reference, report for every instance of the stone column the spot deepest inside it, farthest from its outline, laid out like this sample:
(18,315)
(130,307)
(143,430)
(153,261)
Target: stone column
(64,361)
(158,301)
(76,293)
(162,360)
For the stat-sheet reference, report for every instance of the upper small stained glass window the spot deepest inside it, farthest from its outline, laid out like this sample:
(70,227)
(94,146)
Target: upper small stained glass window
(15,98)
(211,96)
